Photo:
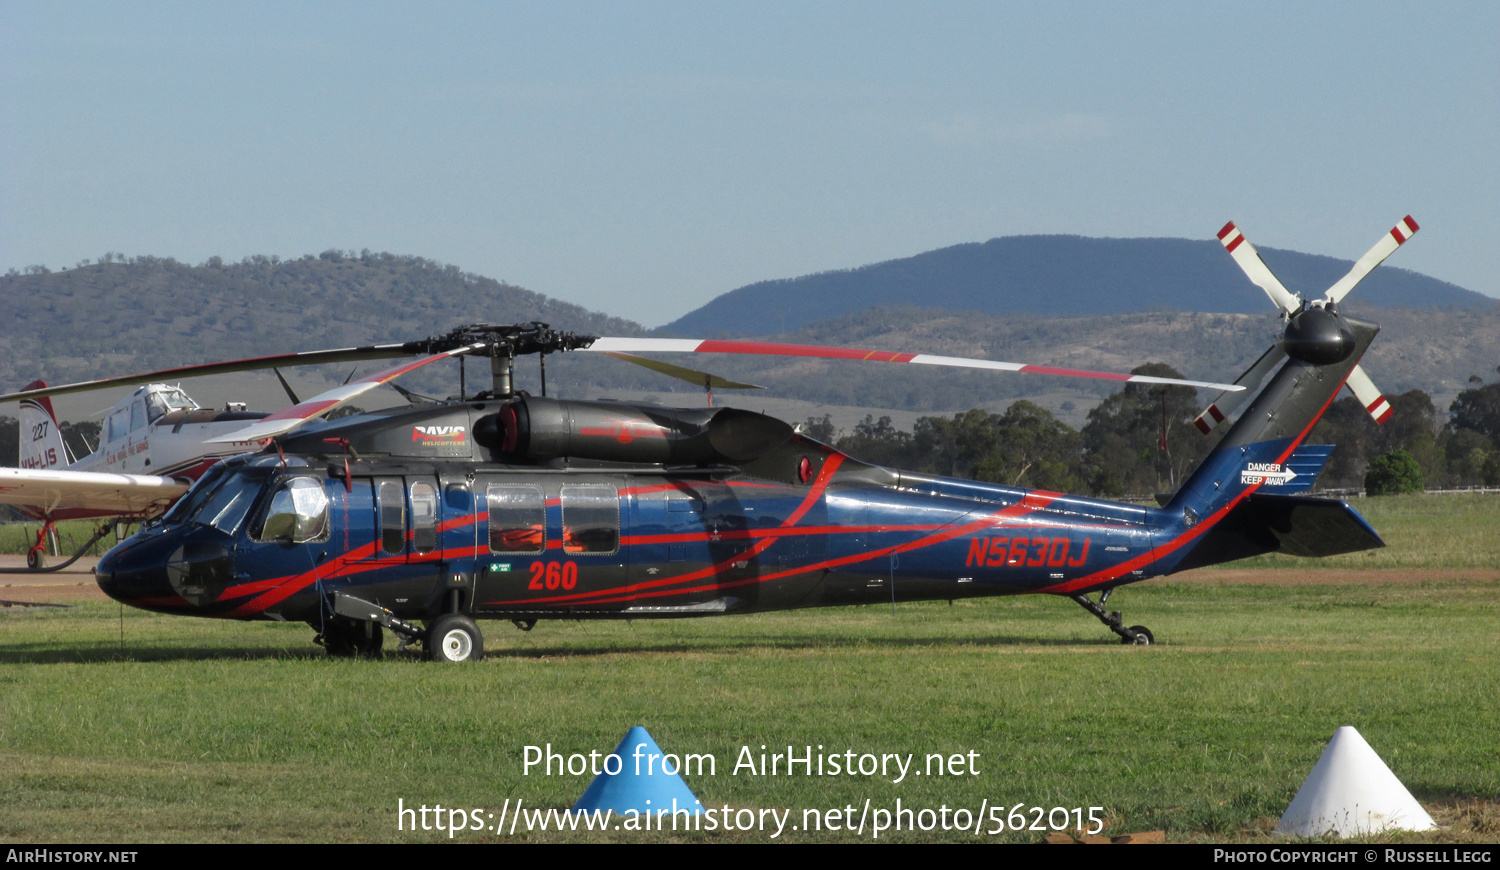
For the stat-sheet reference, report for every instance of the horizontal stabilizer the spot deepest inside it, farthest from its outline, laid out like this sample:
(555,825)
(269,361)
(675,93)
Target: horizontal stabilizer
(1291,524)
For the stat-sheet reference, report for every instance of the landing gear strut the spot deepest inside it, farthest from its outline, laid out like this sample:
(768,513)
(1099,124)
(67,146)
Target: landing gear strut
(1138,635)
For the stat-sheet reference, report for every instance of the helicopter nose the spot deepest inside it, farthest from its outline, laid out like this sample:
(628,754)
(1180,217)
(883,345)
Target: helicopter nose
(127,575)
(167,572)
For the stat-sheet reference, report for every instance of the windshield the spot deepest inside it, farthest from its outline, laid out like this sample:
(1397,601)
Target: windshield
(163,400)
(221,498)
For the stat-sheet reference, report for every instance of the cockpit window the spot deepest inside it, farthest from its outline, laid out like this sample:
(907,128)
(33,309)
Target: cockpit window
(188,505)
(220,499)
(298,513)
(160,402)
(227,507)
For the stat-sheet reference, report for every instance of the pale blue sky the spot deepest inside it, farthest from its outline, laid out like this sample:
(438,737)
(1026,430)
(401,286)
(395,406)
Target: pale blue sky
(642,158)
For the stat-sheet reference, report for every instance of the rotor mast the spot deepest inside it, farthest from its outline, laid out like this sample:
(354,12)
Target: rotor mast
(502,344)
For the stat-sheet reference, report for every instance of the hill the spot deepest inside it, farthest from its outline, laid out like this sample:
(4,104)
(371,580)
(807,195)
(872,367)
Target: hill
(1055,276)
(145,313)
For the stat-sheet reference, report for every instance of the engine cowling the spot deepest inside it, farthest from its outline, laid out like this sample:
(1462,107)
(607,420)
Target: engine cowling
(539,429)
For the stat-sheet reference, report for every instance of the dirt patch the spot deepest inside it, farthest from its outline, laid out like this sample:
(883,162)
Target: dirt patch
(1333,576)
(72,593)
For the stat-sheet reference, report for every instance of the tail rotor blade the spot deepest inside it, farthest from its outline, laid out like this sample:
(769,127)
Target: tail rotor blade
(1374,257)
(1255,268)
(1368,394)
(1226,403)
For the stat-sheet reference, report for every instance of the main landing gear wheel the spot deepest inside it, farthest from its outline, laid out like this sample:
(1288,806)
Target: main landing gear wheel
(454,638)
(1136,635)
(345,640)
(36,558)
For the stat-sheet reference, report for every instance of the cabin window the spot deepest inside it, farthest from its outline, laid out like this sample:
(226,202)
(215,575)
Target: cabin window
(518,518)
(591,519)
(423,517)
(137,415)
(118,425)
(298,513)
(392,517)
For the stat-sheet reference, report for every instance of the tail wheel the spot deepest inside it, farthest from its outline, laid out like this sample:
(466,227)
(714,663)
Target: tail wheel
(454,638)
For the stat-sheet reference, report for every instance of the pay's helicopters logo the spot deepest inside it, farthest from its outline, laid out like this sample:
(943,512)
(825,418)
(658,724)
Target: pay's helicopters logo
(438,434)
(1270,473)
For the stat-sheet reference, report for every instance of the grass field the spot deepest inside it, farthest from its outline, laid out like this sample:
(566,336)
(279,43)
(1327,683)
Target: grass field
(119,725)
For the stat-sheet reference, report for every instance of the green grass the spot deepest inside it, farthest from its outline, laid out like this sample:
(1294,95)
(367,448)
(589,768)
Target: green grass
(18,537)
(196,730)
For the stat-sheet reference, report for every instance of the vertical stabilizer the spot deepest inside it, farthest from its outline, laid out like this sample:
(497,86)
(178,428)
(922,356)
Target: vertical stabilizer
(41,440)
(1256,456)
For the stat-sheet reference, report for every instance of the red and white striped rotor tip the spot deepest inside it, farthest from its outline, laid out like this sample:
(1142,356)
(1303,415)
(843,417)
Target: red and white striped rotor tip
(1404,230)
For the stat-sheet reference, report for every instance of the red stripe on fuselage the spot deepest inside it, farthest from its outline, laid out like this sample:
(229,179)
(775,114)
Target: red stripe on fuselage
(1032,501)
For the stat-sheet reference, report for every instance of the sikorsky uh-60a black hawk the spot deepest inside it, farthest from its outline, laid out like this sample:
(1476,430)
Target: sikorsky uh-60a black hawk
(502,505)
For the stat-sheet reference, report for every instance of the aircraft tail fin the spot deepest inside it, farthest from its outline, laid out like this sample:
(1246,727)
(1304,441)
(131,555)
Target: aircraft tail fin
(1259,459)
(42,444)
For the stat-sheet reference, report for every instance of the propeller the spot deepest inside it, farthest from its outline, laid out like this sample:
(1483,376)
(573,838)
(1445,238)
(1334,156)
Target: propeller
(1314,330)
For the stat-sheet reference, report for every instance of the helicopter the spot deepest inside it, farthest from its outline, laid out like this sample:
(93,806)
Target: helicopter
(422,520)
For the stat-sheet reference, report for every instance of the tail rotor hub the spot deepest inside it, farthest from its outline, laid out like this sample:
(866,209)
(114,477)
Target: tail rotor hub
(1318,335)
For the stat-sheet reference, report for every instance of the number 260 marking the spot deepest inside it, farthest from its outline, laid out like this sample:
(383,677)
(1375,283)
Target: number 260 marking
(553,575)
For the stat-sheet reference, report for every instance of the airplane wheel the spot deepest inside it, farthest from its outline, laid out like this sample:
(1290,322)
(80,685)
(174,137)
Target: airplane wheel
(344,641)
(1143,636)
(454,638)
(36,559)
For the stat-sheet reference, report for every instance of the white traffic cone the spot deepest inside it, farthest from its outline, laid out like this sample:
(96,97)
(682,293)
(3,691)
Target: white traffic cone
(1350,792)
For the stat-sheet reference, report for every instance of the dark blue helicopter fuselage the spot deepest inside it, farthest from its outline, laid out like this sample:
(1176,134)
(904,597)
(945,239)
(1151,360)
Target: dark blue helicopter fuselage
(525,508)
(665,542)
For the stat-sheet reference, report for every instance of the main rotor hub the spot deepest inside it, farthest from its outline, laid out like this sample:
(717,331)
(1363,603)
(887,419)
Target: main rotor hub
(502,344)
(504,341)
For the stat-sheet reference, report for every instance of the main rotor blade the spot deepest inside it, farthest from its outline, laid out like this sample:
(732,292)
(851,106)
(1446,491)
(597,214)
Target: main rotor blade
(1368,394)
(1255,268)
(1374,257)
(693,345)
(1226,403)
(305,358)
(692,376)
(287,419)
